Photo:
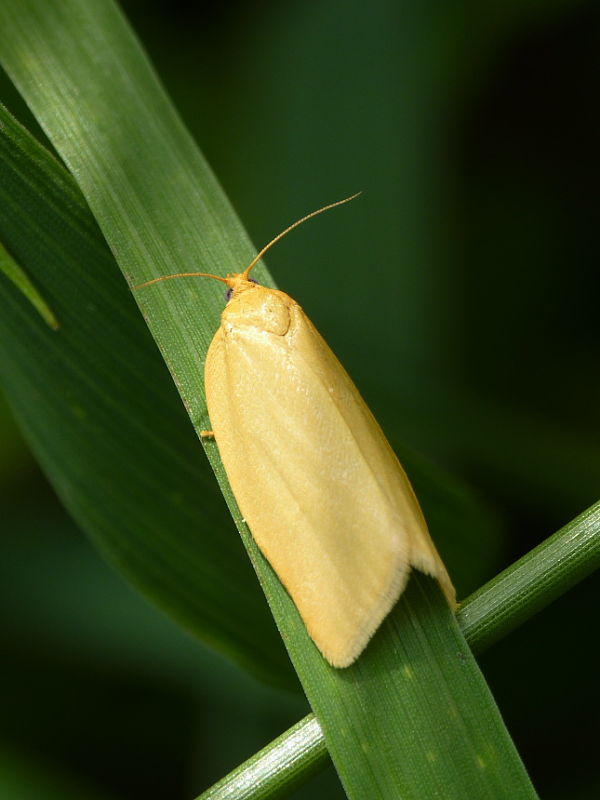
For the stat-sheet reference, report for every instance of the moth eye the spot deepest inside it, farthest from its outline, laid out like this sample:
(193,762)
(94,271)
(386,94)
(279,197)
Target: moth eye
(229,292)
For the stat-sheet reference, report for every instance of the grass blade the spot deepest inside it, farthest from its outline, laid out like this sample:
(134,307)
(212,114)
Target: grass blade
(17,275)
(533,582)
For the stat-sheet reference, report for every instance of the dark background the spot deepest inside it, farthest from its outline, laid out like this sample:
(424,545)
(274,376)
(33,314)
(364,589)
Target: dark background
(462,298)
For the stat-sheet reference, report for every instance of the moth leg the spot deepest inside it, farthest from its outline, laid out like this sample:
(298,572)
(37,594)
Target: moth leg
(207,434)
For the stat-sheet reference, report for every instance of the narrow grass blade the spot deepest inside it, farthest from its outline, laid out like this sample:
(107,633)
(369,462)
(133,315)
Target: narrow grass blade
(533,582)
(18,276)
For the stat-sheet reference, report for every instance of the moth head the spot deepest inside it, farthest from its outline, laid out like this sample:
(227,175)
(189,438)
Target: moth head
(238,283)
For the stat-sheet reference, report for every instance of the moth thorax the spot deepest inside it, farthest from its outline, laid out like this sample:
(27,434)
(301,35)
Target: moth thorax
(261,308)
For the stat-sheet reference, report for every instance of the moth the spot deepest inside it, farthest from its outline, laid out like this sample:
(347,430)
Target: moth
(323,493)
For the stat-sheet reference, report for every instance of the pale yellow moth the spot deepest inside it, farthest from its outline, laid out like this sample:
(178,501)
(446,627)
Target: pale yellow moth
(321,489)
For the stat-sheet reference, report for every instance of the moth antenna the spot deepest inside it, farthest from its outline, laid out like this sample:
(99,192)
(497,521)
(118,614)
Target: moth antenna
(257,258)
(181,275)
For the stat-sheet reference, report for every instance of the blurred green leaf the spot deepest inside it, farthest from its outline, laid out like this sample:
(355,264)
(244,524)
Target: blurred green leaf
(24,777)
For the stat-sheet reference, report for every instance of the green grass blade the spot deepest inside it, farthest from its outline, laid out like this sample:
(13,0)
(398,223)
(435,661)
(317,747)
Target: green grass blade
(277,769)
(533,582)
(15,273)
(414,715)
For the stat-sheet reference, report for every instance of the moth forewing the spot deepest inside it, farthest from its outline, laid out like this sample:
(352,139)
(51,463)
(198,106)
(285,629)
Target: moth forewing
(324,495)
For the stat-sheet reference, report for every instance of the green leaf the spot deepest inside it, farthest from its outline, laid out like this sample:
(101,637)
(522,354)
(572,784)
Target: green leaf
(413,715)
(17,275)
(24,777)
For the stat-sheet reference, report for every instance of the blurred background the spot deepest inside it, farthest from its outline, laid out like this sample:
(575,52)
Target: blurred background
(460,291)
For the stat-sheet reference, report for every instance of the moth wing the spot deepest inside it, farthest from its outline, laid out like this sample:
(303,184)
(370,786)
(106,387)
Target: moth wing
(324,495)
